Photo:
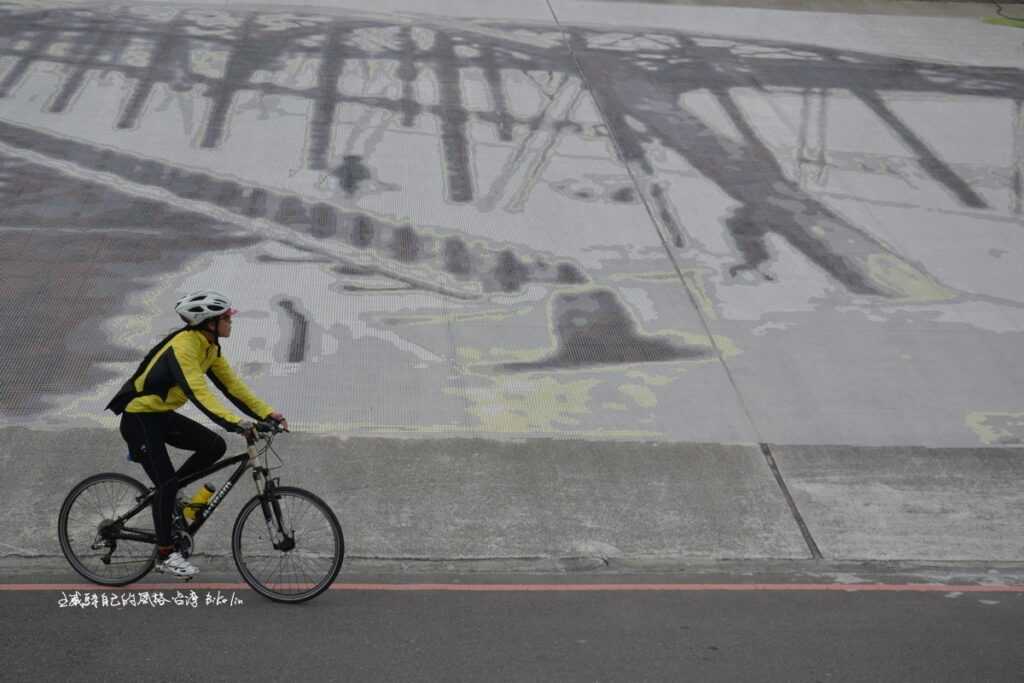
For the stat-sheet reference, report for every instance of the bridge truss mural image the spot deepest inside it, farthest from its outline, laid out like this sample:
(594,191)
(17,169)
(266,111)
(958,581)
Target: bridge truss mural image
(437,225)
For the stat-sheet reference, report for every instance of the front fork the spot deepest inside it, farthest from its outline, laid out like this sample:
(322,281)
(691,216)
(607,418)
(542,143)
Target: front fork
(270,503)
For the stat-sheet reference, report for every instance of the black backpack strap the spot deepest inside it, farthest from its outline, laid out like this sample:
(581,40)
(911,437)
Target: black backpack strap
(126,393)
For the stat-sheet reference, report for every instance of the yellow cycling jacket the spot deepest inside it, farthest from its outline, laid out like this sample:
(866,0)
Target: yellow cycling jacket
(175,371)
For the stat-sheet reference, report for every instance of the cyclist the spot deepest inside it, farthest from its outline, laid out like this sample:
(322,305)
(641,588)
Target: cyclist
(175,370)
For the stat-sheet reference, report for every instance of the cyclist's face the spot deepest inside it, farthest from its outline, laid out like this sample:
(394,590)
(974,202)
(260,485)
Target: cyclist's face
(224,326)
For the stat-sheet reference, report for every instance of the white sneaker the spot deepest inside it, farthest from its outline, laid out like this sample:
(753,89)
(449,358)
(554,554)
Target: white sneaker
(177,566)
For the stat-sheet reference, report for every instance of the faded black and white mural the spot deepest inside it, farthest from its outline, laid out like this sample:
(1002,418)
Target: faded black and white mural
(489,227)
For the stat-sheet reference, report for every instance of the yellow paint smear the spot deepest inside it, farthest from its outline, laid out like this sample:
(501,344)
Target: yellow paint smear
(657,276)
(528,405)
(496,353)
(1012,22)
(695,283)
(651,380)
(643,396)
(997,428)
(905,281)
(426,319)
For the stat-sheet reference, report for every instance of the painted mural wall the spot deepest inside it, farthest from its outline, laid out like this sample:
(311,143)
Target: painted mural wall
(440,226)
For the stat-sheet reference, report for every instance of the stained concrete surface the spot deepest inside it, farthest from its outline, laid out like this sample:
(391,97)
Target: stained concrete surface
(564,503)
(907,503)
(491,167)
(463,499)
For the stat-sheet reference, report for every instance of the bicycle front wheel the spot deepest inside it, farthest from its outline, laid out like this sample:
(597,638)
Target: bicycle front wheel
(89,525)
(295,566)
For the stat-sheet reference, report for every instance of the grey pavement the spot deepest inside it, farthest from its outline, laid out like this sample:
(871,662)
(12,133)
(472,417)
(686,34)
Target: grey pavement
(469,499)
(523,636)
(566,282)
(890,503)
(548,503)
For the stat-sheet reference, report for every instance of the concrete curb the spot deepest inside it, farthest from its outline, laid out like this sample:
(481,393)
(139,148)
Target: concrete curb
(571,505)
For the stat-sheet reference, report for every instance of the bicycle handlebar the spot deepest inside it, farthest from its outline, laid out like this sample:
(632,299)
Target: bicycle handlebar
(260,428)
(269,427)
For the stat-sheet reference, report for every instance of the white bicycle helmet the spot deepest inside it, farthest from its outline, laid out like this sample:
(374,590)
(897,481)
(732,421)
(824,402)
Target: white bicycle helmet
(199,306)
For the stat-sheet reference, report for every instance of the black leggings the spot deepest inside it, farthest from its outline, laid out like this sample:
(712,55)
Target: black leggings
(146,435)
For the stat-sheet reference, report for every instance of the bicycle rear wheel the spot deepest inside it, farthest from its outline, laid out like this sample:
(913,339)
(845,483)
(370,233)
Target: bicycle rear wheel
(294,571)
(91,509)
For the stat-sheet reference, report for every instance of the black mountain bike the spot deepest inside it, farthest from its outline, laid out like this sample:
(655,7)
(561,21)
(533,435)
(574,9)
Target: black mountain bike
(287,543)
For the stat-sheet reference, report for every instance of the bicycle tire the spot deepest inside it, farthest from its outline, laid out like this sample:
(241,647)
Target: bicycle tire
(137,565)
(287,591)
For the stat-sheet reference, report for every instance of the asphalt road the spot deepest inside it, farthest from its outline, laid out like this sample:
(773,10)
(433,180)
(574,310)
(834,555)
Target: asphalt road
(523,635)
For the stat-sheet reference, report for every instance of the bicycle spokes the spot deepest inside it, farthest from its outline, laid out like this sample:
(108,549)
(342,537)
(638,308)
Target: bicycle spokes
(291,551)
(92,532)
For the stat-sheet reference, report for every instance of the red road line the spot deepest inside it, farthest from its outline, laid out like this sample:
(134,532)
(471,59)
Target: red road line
(558,587)
(680,587)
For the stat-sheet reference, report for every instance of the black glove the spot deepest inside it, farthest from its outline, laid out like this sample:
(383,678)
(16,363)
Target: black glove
(245,426)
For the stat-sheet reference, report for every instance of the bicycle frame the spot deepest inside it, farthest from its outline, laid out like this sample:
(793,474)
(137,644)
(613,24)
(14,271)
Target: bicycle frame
(244,461)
